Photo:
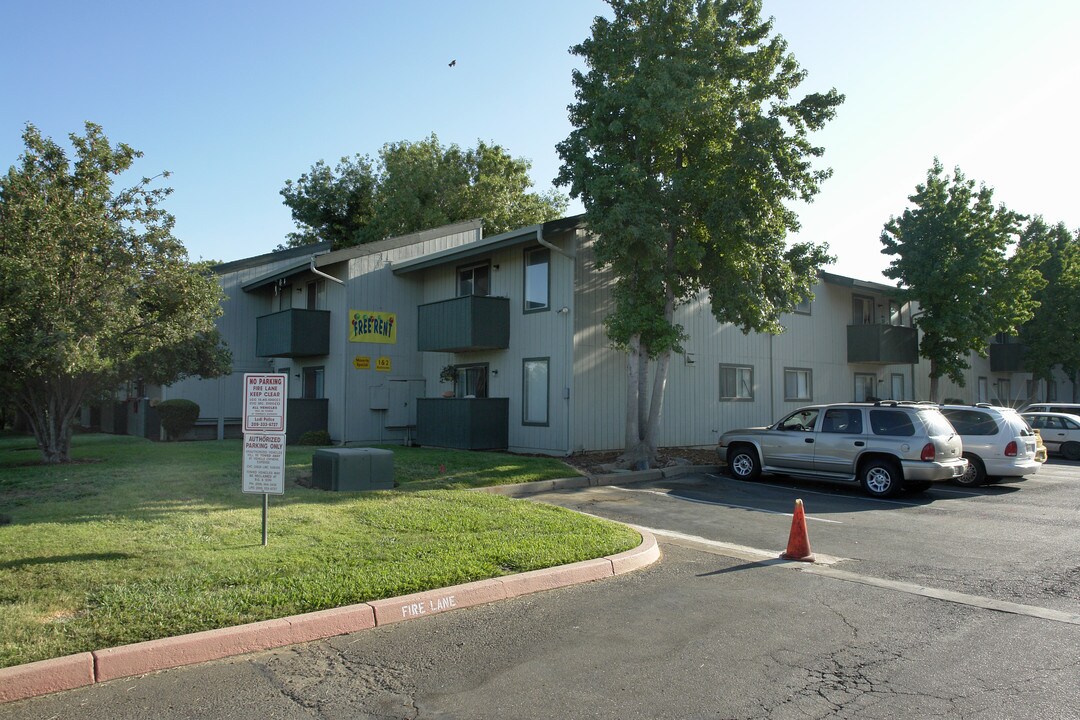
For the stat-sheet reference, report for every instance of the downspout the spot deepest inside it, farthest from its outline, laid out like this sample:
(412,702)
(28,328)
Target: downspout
(540,239)
(320,273)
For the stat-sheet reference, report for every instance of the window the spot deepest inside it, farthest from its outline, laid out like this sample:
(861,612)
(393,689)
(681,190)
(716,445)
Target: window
(971,422)
(797,384)
(803,308)
(984,390)
(474,280)
(865,387)
(316,295)
(799,421)
(891,422)
(736,382)
(896,317)
(1051,390)
(896,383)
(472,381)
(534,406)
(537,285)
(313,382)
(1004,391)
(283,301)
(847,420)
(862,310)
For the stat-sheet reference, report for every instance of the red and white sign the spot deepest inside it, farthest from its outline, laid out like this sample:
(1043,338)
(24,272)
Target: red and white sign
(264,402)
(264,463)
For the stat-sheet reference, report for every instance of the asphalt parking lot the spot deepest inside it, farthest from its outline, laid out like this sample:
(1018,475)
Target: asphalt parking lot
(953,603)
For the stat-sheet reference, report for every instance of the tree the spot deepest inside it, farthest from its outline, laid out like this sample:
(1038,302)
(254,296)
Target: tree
(415,186)
(953,257)
(94,288)
(685,151)
(1052,336)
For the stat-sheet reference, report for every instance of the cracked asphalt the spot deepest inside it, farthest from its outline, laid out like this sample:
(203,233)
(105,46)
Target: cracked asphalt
(705,633)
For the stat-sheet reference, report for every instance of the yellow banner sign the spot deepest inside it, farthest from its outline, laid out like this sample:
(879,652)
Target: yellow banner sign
(372,326)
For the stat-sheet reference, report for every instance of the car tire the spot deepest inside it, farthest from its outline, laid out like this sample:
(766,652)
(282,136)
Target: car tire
(1071,451)
(975,475)
(743,463)
(918,486)
(881,478)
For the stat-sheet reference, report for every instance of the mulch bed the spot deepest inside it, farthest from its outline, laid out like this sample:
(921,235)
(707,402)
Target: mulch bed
(594,463)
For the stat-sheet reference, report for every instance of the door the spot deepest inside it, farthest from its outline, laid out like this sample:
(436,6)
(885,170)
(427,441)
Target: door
(790,444)
(839,442)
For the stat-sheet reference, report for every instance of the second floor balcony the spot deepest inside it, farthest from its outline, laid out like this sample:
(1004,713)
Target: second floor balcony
(882,344)
(293,333)
(464,324)
(1007,357)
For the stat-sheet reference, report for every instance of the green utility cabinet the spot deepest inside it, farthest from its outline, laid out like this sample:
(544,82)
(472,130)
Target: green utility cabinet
(352,469)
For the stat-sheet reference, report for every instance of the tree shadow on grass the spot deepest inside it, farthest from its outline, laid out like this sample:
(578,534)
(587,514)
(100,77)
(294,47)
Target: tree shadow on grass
(53,559)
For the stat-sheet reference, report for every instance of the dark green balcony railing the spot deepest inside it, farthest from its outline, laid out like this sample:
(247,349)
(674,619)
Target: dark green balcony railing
(463,423)
(882,344)
(293,333)
(464,324)
(1007,357)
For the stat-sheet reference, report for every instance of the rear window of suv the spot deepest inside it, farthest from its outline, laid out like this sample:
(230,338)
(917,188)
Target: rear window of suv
(891,422)
(935,423)
(971,422)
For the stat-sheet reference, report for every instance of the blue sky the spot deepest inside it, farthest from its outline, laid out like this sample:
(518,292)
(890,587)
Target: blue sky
(237,97)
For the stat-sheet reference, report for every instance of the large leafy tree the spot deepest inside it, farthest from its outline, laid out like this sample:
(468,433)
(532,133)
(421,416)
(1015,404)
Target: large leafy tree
(1052,335)
(415,186)
(956,254)
(687,151)
(94,288)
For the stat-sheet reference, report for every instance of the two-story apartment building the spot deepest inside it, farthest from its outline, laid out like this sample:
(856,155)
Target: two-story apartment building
(510,327)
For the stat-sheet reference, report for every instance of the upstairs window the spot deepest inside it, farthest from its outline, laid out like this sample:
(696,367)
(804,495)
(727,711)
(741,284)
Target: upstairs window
(474,280)
(537,283)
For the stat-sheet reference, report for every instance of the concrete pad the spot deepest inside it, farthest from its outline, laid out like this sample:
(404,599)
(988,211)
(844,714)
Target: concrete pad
(556,577)
(433,602)
(46,676)
(643,555)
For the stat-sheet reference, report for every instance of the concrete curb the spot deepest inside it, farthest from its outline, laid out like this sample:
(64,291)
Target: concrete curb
(73,671)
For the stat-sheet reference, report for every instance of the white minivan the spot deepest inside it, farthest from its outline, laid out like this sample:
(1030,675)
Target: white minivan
(998,443)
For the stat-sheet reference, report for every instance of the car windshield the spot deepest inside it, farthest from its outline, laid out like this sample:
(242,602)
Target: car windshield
(935,423)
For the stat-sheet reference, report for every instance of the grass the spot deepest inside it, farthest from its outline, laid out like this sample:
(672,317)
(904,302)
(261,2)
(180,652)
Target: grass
(139,540)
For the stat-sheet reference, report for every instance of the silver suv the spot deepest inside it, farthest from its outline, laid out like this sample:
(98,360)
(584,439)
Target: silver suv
(884,446)
(997,442)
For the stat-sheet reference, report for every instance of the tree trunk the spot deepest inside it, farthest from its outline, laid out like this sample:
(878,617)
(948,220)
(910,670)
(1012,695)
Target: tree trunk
(632,435)
(933,381)
(49,406)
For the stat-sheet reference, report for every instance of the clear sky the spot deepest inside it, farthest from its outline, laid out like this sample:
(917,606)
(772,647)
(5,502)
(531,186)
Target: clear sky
(237,97)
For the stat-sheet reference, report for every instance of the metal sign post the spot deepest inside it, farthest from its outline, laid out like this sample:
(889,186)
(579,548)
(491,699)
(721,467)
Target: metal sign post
(265,397)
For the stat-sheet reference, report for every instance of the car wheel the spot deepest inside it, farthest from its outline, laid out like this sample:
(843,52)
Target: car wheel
(975,475)
(920,486)
(1071,451)
(881,478)
(743,463)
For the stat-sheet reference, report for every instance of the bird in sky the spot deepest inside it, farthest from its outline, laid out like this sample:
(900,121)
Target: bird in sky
(453,63)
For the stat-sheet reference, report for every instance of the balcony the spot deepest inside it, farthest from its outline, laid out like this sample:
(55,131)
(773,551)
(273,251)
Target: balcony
(293,333)
(464,324)
(882,344)
(1007,357)
(463,423)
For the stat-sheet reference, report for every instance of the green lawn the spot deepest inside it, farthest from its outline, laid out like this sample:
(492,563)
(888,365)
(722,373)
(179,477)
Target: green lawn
(139,540)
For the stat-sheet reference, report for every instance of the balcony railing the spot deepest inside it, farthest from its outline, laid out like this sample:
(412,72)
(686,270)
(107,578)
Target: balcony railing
(1007,357)
(293,333)
(464,324)
(463,423)
(882,344)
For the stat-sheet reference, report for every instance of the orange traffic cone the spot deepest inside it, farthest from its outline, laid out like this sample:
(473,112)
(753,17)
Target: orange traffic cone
(798,544)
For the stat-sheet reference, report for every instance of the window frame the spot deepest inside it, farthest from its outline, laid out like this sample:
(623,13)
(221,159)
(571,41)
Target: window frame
(736,368)
(525,309)
(809,385)
(855,387)
(525,405)
(461,386)
(472,267)
(318,375)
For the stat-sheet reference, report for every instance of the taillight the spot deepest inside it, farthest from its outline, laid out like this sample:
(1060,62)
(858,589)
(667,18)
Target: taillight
(1010,449)
(928,453)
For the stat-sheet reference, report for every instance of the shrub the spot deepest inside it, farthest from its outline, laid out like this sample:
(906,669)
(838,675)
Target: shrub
(177,417)
(314,437)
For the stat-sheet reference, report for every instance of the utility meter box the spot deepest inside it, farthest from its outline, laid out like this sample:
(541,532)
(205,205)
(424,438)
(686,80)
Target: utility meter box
(352,469)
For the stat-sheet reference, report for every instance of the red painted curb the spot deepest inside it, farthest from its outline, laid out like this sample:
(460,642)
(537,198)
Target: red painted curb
(433,602)
(46,676)
(556,577)
(643,555)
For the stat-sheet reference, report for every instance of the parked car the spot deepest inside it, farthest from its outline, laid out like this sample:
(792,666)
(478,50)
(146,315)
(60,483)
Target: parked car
(884,446)
(1053,407)
(1060,432)
(997,443)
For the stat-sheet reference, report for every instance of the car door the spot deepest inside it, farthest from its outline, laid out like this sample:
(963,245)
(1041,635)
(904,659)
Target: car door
(839,441)
(790,443)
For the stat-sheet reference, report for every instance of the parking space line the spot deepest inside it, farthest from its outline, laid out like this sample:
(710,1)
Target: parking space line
(721,504)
